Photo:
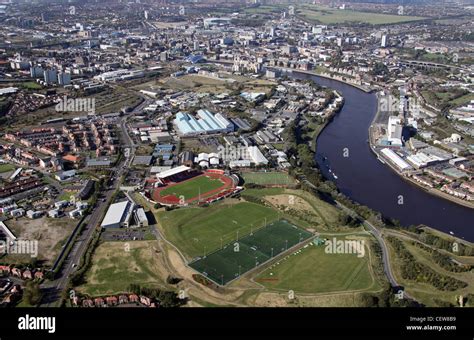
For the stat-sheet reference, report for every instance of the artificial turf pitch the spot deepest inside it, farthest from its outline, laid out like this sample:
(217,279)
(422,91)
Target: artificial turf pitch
(240,256)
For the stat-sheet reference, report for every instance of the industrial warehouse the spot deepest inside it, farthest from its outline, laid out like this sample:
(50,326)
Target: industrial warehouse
(207,123)
(120,214)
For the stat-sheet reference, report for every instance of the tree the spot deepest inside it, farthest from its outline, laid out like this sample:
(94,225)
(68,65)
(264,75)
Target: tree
(380,69)
(32,293)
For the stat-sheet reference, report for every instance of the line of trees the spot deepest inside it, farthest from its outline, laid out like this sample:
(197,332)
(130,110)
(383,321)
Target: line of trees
(165,298)
(415,271)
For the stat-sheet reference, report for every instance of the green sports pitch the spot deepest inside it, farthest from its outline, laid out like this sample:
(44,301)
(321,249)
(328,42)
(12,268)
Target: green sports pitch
(193,187)
(251,251)
(268,178)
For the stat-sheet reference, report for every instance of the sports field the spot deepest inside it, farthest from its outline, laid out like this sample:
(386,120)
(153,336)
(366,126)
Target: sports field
(196,231)
(312,270)
(244,254)
(204,188)
(193,187)
(268,178)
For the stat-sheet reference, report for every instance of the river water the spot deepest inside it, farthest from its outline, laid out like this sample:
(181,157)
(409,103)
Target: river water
(363,178)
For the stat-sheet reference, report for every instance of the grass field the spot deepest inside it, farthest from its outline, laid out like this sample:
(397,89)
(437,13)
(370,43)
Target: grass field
(307,210)
(196,231)
(114,268)
(202,84)
(326,15)
(192,188)
(244,254)
(107,101)
(312,270)
(6,168)
(66,196)
(31,85)
(268,178)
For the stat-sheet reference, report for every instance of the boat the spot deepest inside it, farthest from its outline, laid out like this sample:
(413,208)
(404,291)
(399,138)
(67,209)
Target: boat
(335,177)
(451,233)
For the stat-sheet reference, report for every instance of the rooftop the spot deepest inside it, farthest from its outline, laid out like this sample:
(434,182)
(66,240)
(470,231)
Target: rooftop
(115,213)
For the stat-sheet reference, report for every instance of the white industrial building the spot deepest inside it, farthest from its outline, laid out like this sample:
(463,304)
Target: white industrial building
(252,155)
(206,123)
(395,159)
(140,218)
(421,160)
(394,131)
(245,163)
(205,159)
(256,156)
(121,74)
(118,215)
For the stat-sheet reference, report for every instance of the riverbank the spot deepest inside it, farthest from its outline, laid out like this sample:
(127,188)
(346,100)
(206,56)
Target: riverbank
(407,178)
(326,76)
(366,180)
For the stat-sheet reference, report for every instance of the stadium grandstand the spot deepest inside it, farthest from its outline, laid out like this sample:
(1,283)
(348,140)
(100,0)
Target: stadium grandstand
(175,175)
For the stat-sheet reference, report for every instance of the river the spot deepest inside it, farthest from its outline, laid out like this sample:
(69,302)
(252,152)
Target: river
(363,178)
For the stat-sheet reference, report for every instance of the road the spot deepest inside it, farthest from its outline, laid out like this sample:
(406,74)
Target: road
(52,289)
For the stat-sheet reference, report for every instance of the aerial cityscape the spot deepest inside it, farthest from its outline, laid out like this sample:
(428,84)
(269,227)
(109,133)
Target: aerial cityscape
(243,153)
